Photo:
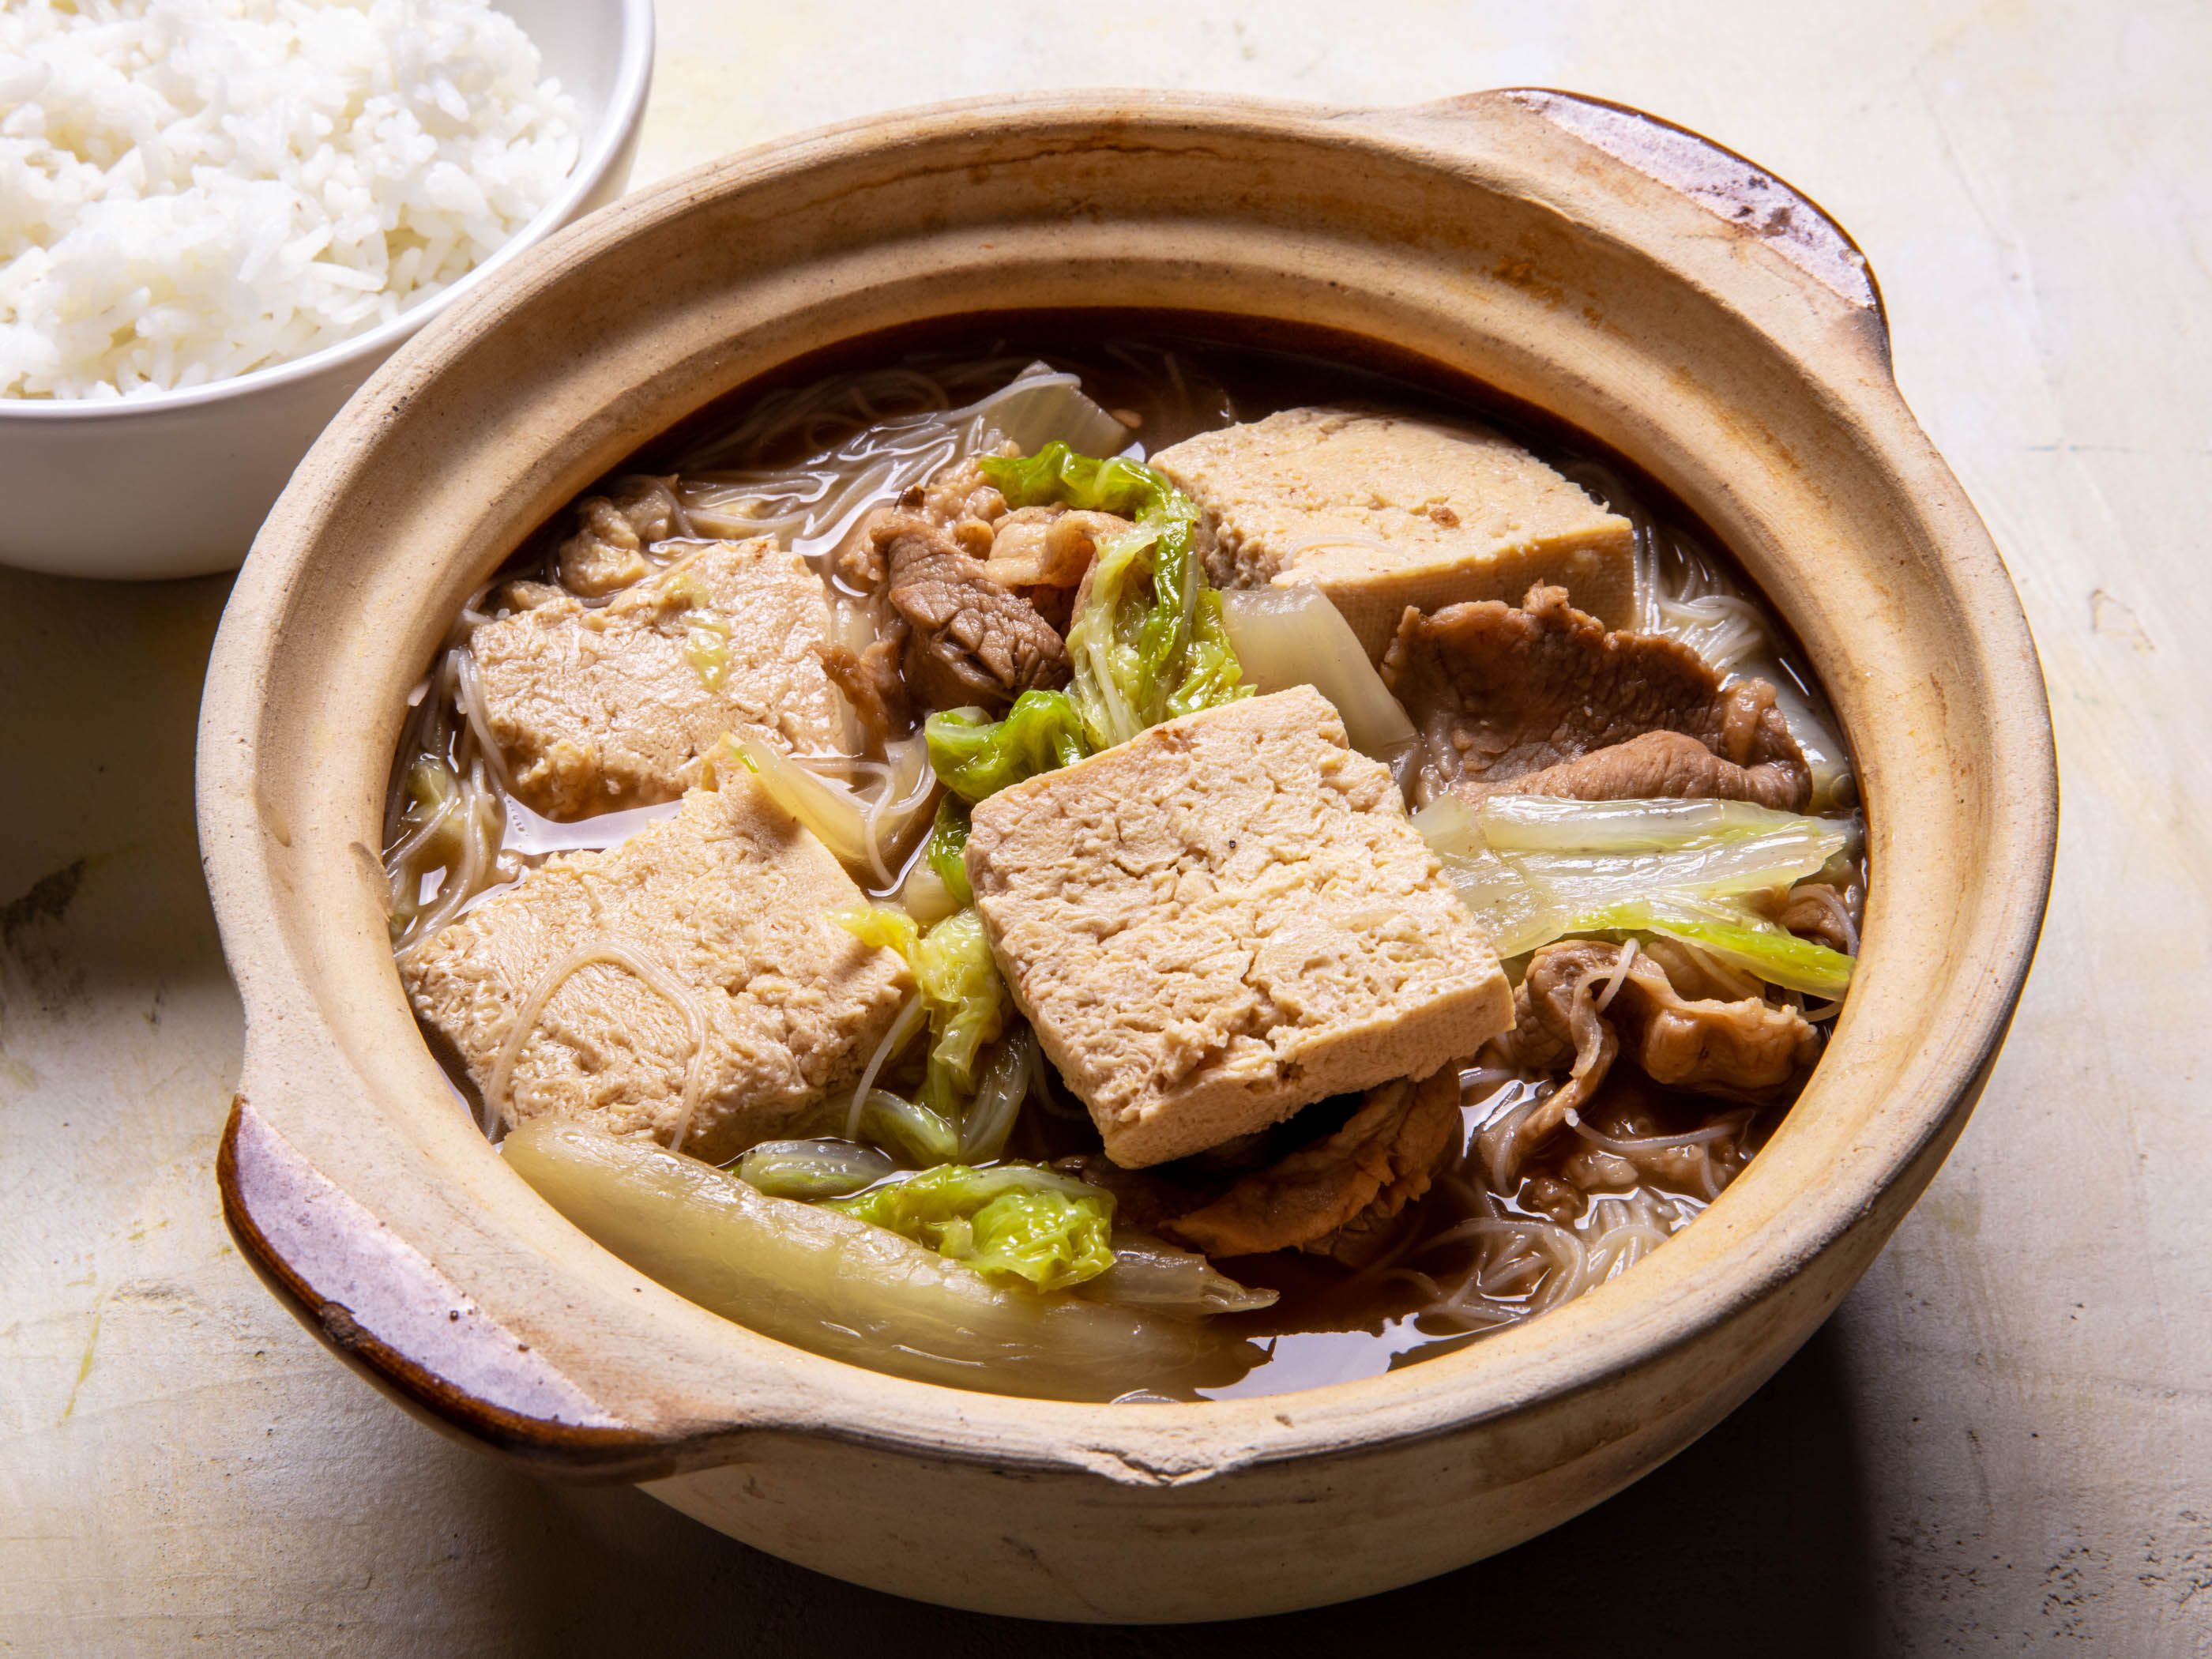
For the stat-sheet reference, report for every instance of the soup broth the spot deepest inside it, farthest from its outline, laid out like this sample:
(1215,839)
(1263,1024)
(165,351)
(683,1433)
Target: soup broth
(1680,1026)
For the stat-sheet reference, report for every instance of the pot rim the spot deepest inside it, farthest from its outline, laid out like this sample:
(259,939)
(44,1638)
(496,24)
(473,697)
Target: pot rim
(1194,1439)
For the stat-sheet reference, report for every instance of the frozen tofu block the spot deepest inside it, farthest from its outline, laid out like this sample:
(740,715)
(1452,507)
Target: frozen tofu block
(1382,512)
(711,924)
(600,708)
(1226,919)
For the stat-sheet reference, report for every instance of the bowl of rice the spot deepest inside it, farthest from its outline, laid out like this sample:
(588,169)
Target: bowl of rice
(218,217)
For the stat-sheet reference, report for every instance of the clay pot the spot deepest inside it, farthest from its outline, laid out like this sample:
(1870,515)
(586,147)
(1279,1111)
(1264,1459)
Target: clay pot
(1669,299)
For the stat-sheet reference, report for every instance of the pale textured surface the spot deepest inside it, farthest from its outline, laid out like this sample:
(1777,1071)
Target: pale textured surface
(2002,1445)
(728,899)
(1225,919)
(596,709)
(1381,512)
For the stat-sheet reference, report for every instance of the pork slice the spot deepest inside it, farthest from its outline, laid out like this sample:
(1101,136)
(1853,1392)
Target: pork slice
(1338,1196)
(1544,700)
(1556,1028)
(1048,547)
(1819,911)
(1145,1201)
(969,641)
(960,496)
(874,684)
(1743,1047)
(1746,1048)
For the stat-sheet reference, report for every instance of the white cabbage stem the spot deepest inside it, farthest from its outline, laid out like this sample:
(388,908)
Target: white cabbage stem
(1293,635)
(845,1288)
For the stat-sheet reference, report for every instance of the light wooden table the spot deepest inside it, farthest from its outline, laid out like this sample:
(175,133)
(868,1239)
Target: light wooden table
(2003,1441)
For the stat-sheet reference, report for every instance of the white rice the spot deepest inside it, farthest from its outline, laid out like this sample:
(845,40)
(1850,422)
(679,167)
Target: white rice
(192,189)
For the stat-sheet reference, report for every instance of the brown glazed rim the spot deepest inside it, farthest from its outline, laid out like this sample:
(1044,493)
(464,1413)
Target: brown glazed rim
(1741,189)
(396,1316)
(274,1178)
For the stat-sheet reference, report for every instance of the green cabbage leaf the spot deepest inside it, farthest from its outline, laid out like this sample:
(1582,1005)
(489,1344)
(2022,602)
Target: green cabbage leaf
(946,851)
(1534,869)
(909,1129)
(1148,640)
(1735,933)
(1055,476)
(1009,1221)
(809,1170)
(976,756)
(959,984)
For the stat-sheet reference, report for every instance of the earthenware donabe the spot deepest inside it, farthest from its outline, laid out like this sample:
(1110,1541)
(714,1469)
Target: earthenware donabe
(1668,298)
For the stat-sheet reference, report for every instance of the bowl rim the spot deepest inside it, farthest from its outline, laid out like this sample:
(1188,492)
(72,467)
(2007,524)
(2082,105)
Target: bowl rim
(620,119)
(1419,1408)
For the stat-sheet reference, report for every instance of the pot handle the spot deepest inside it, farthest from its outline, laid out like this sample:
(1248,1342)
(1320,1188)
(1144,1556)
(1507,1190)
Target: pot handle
(1733,188)
(396,1320)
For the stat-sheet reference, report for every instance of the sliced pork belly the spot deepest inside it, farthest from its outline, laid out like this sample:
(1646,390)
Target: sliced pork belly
(1545,701)
(1685,1036)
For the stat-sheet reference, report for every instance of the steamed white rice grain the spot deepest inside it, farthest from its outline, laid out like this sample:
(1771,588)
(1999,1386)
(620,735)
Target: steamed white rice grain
(193,189)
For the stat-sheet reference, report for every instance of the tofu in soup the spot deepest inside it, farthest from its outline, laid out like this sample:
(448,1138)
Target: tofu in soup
(599,709)
(1224,920)
(1382,512)
(714,923)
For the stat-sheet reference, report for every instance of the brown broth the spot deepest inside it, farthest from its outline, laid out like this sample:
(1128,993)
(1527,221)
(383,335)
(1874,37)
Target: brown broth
(1178,375)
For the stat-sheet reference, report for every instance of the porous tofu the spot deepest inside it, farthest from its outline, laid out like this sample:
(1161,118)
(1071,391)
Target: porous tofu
(1382,512)
(600,708)
(1224,920)
(716,914)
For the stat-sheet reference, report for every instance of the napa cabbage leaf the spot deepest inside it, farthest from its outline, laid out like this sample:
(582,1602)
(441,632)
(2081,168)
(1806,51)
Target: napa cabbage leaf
(1534,869)
(976,756)
(959,984)
(1009,1221)
(834,1285)
(1148,640)
(946,851)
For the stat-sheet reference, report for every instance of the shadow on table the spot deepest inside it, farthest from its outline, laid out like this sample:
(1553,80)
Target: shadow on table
(100,876)
(1752,1540)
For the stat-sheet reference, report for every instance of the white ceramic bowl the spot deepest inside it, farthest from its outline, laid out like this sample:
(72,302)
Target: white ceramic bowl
(176,483)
